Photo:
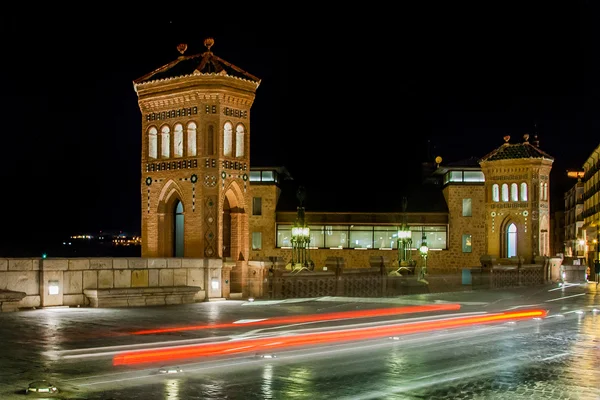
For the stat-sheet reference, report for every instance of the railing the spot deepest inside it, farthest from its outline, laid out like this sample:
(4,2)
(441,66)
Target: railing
(376,282)
(504,276)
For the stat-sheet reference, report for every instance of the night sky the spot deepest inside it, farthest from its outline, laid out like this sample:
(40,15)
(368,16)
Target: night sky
(358,97)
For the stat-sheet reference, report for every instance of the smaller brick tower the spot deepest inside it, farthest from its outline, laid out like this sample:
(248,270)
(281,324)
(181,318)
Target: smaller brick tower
(464,188)
(517,200)
(196,159)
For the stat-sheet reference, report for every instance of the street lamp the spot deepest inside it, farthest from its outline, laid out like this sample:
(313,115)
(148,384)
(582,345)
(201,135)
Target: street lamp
(423,250)
(404,244)
(300,242)
(300,238)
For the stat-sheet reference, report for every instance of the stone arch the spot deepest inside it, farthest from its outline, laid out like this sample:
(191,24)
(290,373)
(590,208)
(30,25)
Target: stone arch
(235,195)
(234,222)
(170,194)
(504,233)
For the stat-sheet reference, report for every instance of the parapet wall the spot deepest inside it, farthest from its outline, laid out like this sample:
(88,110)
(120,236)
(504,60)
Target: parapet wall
(61,281)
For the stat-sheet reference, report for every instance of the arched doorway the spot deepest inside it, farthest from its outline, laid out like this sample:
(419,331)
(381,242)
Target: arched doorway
(511,240)
(178,231)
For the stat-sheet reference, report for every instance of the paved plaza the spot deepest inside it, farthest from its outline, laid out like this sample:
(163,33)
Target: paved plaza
(557,360)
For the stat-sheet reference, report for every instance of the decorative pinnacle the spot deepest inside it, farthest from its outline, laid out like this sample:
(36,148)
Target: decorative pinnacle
(182,47)
(209,42)
(526,137)
(506,138)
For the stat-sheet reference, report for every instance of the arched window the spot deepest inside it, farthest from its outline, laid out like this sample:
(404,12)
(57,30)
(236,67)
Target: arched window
(511,240)
(178,230)
(514,192)
(504,192)
(152,142)
(545,189)
(523,191)
(191,135)
(210,141)
(239,140)
(495,192)
(227,139)
(178,140)
(165,144)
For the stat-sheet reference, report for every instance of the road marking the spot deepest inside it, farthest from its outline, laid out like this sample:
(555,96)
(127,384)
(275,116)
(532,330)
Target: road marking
(566,297)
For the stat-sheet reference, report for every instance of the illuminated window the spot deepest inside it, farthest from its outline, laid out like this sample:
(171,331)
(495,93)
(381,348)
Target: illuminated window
(317,236)
(473,176)
(254,176)
(191,139)
(256,240)
(239,140)
(511,241)
(361,237)
(466,208)
(523,191)
(504,192)
(284,236)
(227,139)
(165,144)
(178,140)
(152,142)
(514,192)
(367,236)
(495,192)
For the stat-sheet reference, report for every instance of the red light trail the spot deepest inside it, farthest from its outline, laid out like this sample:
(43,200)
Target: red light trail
(384,312)
(271,343)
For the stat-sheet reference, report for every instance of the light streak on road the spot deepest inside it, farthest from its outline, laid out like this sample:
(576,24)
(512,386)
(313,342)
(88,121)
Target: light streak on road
(566,297)
(342,315)
(112,350)
(320,338)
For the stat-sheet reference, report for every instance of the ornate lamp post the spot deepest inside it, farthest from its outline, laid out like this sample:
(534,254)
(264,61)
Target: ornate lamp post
(300,238)
(423,250)
(404,243)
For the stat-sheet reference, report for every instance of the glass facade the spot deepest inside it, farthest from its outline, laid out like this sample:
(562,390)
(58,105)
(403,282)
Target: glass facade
(464,177)
(365,236)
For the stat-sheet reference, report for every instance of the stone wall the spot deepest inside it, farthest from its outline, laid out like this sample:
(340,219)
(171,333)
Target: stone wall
(61,281)
(459,225)
(264,223)
(437,261)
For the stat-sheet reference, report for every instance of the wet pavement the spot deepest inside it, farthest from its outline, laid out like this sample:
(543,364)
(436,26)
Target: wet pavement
(553,358)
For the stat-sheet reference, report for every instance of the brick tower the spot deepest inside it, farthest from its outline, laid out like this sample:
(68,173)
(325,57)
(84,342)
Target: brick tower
(196,157)
(517,200)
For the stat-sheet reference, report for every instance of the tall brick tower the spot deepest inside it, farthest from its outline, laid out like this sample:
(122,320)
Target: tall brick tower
(517,200)
(196,157)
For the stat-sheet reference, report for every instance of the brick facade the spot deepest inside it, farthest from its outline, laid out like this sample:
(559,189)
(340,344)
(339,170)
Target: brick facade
(459,225)
(531,217)
(186,159)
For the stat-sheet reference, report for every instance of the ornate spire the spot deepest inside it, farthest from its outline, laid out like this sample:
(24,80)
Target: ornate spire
(182,47)
(209,42)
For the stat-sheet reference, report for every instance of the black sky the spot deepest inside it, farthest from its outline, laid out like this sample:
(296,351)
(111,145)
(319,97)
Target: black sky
(354,95)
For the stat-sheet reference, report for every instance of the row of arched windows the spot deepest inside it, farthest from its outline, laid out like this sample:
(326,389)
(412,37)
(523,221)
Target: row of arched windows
(514,195)
(517,192)
(181,142)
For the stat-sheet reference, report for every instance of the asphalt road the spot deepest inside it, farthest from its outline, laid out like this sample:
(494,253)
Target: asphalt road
(555,357)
